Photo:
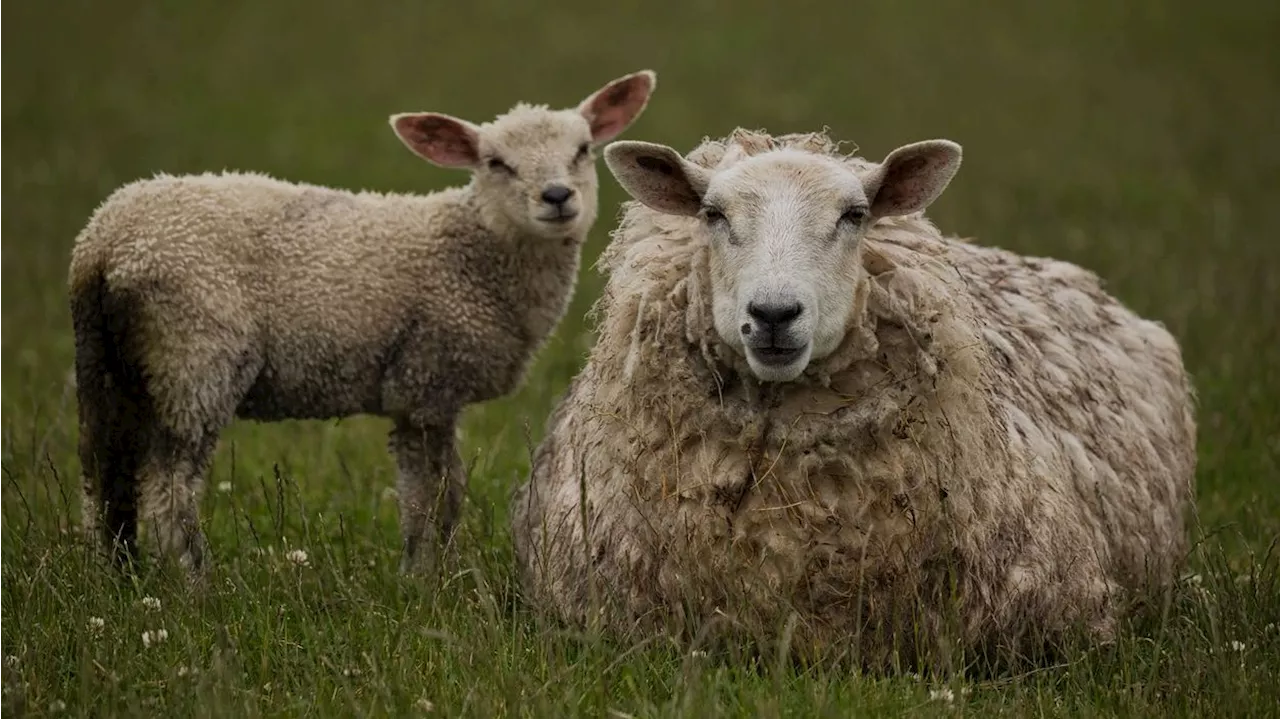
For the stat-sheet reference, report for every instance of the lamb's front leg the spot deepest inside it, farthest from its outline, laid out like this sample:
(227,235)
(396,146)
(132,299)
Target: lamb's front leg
(431,483)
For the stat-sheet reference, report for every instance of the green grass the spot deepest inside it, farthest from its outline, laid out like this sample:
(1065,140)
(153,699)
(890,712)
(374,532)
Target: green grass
(1137,139)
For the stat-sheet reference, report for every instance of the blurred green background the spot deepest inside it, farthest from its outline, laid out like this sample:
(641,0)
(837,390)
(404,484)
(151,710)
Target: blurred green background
(1138,139)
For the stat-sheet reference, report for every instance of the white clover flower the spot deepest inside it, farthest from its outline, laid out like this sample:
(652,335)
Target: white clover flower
(57,705)
(297,556)
(390,494)
(943,694)
(224,487)
(151,604)
(96,625)
(154,636)
(1238,645)
(425,705)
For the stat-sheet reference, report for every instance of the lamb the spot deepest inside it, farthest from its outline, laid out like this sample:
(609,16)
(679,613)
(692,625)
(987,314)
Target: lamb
(198,299)
(807,405)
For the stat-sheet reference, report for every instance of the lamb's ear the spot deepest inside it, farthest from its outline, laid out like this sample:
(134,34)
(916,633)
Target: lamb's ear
(613,107)
(658,176)
(440,139)
(912,177)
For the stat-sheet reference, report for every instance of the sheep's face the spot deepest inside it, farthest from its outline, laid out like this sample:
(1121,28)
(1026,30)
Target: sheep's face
(533,168)
(785,229)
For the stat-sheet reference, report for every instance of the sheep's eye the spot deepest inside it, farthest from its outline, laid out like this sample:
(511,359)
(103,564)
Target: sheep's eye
(854,215)
(498,165)
(583,149)
(712,216)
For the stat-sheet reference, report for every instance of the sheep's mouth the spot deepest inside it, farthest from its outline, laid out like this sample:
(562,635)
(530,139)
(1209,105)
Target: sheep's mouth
(775,356)
(562,218)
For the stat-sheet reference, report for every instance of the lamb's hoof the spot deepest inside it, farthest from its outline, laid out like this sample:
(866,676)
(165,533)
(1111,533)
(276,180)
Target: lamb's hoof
(192,567)
(421,563)
(188,561)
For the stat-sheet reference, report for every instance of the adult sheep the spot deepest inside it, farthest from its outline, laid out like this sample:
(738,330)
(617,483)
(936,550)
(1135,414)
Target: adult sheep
(202,298)
(806,404)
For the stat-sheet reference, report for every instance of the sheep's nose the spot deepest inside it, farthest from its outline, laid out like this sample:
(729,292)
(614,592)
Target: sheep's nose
(556,194)
(774,315)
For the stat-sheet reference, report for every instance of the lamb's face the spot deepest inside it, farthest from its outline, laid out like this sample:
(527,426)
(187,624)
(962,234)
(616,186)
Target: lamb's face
(537,172)
(533,168)
(784,228)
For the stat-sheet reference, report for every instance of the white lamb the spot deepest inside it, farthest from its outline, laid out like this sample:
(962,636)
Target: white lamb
(199,299)
(805,402)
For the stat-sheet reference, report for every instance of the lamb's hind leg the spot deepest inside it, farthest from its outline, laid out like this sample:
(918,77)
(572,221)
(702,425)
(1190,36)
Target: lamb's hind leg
(431,483)
(197,343)
(110,518)
(114,414)
(171,484)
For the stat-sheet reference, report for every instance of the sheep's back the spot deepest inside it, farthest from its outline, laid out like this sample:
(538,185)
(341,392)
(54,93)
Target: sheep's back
(1105,391)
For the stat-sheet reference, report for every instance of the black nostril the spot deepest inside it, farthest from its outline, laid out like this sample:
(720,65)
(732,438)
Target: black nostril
(556,194)
(774,314)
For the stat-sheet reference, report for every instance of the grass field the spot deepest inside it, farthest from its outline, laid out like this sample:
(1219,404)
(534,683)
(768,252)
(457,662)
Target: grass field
(1138,139)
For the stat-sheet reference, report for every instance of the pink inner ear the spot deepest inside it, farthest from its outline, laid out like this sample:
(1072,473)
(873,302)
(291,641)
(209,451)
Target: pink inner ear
(616,106)
(440,139)
(909,185)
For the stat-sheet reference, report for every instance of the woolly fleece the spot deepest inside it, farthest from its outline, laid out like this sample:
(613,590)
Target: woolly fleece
(999,452)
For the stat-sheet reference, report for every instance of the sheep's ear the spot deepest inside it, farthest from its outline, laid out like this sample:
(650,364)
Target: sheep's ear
(912,177)
(613,107)
(440,139)
(658,176)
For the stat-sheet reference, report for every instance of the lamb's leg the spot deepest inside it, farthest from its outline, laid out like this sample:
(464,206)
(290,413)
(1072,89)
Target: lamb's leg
(193,353)
(172,482)
(109,518)
(431,483)
(112,442)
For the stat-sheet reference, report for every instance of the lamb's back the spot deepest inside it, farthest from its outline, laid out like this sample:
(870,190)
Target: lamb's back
(301,280)
(244,223)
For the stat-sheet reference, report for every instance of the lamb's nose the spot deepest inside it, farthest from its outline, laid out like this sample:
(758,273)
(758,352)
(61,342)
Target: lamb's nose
(556,194)
(774,315)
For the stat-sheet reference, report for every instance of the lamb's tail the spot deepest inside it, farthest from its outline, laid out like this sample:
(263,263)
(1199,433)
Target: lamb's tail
(109,395)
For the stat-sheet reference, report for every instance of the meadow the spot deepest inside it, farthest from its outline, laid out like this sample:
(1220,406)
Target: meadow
(1137,139)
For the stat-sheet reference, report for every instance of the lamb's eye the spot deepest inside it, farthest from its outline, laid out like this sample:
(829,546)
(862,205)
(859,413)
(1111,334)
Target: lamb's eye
(583,149)
(497,165)
(854,215)
(712,216)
